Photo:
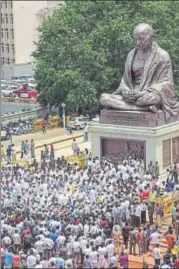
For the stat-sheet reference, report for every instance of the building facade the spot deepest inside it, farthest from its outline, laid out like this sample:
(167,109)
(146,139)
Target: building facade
(19,23)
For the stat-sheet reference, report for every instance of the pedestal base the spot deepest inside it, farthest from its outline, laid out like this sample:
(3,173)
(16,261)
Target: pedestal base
(135,118)
(150,143)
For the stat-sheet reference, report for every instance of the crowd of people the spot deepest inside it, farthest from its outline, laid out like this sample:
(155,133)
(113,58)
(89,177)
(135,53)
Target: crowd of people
(57,215)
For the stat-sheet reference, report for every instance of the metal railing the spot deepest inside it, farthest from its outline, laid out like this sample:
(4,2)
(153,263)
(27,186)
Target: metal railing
(41,113)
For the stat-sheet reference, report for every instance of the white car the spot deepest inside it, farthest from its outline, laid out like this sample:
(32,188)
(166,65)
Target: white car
(78,123)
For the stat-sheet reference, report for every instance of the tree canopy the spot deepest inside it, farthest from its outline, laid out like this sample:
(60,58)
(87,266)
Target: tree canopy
(82,47)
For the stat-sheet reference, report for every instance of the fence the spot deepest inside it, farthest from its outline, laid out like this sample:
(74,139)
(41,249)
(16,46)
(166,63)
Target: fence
(17,100)
(40,113)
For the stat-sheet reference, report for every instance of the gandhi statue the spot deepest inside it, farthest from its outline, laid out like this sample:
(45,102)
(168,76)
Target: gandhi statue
(147,83)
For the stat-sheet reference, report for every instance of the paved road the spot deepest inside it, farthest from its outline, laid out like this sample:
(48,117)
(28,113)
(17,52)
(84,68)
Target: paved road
(64,148)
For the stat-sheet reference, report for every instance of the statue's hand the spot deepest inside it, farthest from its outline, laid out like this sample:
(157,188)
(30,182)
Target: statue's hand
(131,96)
(126,94)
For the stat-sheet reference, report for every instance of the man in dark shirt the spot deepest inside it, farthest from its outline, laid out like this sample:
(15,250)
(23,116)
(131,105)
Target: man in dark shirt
(132,242)
(125,234)
(9,153)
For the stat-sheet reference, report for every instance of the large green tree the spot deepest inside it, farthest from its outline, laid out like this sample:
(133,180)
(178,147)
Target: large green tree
(83,46)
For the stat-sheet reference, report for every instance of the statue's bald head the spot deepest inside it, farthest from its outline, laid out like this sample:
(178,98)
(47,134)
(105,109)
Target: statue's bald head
(144,28)
(143,35)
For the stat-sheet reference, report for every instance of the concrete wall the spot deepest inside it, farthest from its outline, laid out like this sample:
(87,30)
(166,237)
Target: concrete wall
(41,113)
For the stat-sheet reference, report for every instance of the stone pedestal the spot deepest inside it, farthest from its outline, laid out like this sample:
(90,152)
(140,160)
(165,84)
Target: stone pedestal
(154,143)
(135,118)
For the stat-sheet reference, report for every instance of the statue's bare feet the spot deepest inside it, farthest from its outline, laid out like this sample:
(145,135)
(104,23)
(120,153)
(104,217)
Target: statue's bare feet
(153,109)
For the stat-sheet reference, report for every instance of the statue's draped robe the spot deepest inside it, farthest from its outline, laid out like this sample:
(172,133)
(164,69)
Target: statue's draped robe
(157,77)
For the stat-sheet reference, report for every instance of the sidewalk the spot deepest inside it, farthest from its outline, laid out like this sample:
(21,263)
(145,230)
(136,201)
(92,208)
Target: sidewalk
(54,140)
(52,136)
(65,149)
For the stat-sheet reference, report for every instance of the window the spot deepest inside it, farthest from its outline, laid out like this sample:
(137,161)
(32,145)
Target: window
(11,18)
(2,19)
(2,33)
(6,32)
(2,47)
(10,4)
(2,60)
(6,18)
(12,33)
(13,49)
(7,48)
(8,60)
(5,3)
(13,61)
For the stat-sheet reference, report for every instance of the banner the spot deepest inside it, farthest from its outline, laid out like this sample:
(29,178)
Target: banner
(166,201)
(80,160)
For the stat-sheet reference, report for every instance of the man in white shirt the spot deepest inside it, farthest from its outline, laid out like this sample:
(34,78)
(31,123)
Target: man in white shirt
(69,263)
(83,243)
(87,250)
(39,245)
(138,215)
(86,130)
(113,261)
(94,257)
(155,238)
(48,247)
(156,254)
(31,260)
(76,248)
(17,240)
(110,249)
(102,250)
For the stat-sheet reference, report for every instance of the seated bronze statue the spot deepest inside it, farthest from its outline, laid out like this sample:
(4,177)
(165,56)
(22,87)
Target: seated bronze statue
(147,83)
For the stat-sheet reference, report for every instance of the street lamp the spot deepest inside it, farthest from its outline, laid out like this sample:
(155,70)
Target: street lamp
(64,122)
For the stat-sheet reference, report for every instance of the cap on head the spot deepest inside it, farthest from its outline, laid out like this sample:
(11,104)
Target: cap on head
(144,28)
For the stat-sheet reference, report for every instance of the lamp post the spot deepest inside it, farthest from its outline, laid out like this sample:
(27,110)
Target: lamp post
(64,122)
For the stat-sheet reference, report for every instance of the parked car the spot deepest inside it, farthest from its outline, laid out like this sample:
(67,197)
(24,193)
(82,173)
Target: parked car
(5,135)
(78,123)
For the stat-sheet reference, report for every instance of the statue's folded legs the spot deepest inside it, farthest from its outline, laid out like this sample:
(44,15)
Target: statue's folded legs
(148,102)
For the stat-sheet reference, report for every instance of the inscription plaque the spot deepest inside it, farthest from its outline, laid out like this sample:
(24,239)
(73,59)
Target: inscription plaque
(129,118)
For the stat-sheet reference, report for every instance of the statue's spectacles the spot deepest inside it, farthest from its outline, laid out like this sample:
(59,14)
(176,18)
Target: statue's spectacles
(142,40)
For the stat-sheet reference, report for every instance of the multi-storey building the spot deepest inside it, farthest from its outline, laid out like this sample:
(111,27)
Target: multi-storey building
(19,23)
